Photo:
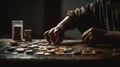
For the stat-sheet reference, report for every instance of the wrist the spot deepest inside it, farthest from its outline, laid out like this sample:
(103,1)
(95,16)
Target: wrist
(60,27)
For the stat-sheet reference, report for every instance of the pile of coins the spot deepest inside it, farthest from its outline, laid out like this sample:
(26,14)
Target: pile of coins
(38,47)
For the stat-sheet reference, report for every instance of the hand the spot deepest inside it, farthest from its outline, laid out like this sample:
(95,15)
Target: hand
(92,36)
(54,35)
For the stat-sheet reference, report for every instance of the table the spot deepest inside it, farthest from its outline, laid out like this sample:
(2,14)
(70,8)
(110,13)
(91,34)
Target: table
(106,55)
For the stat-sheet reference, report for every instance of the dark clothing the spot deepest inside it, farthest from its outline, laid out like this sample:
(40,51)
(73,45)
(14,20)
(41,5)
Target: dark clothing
(102,14)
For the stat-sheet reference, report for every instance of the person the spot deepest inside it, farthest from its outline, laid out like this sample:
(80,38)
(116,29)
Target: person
(99,22)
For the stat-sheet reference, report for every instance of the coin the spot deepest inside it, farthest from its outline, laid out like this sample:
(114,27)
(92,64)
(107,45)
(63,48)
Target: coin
(11,49)
(39,53)
(14,43)
(47,54)
(59,52)
(20,50)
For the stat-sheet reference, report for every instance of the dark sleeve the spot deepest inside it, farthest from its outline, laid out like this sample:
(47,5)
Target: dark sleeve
(86,16)
(113,37)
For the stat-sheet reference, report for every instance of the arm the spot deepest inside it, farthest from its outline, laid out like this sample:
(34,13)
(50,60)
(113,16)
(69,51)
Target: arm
(67,23)
(81,18)
(56,34)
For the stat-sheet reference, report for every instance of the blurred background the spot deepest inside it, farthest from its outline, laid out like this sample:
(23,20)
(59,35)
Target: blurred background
(38,15)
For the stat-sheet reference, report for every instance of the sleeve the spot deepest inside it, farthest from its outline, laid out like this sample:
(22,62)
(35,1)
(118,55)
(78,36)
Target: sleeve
(113,37)
(86,16)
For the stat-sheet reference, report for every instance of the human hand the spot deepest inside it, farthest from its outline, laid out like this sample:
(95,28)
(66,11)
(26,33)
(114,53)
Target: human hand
(55,35)
(92,36)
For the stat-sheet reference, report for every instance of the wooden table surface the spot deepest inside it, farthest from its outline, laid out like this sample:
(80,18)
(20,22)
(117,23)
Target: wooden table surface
(106,54)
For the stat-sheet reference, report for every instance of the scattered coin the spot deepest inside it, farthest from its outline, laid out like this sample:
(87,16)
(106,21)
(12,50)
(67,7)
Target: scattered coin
(77,52)
(35,41)
(48,54)
(20,50)
(24,45)
(33,46)
(59,53)
(11,49)
(14,43)
(14,53)
(29,51)
(39,53)
(51,50)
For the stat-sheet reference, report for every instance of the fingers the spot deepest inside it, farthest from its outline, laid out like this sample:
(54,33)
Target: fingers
(59,34)
(88,36)
(89,39)
(87,32)
(49,36)
(46,36)
(54,36)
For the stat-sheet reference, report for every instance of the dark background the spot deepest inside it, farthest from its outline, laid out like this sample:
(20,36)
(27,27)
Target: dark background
(38,15)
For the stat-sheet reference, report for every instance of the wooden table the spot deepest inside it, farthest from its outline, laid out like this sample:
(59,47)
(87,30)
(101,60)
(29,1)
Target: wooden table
(104,57)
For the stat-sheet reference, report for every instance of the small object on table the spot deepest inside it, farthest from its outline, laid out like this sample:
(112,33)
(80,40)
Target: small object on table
(42,48)
(51,50)
(33,46)
(14,43)
(23,45)
(59,52)
(20,50)
(14,53)
(94,52)
(35,41)
(47,54)
(39,53)
(89,51)
(62,48)
(50,47)
(17,30)
(11,49)
(28,35)
(29,51)
(68,50)
(77,52)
